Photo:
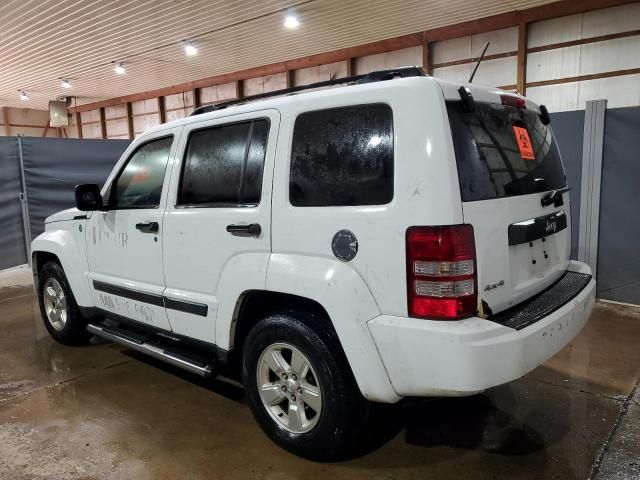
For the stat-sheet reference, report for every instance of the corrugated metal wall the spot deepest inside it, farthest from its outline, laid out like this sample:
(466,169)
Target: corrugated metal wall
(498,72)
(30,122)
(549,67)
(588,59)
(570,60)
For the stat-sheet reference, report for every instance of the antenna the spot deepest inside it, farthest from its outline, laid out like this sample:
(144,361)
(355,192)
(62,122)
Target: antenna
(475,69)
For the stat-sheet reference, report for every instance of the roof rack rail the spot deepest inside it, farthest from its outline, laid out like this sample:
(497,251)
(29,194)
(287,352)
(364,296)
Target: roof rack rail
(377,76)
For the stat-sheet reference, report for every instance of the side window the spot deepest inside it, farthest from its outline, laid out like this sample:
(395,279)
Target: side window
(342,157)
(223,165)
(139,184)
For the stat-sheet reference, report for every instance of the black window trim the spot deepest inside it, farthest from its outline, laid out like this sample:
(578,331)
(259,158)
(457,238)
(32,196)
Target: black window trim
(183,161)
(393,146)
(110,190)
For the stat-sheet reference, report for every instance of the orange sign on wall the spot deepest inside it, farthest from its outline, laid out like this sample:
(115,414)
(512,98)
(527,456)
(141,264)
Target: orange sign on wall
(524,143)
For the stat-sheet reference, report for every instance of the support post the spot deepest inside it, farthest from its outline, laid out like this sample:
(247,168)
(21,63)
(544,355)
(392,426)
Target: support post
(289,80)
(592,146)
(5,120)
(24,203)
(161,110)
(103,124)
(426,58)
(79,124)
(196,98)
(521,74)
(351,67)
(130,120)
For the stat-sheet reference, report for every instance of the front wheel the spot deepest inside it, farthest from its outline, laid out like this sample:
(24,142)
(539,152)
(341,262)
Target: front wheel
(58,307)
(300,387)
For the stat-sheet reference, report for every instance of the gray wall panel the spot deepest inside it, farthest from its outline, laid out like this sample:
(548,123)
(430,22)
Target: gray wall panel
(568,128)
(54,166)
(618,253)
(12,242)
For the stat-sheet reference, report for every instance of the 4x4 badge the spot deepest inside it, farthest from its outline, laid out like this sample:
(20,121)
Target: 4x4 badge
(344,245)
(492,286)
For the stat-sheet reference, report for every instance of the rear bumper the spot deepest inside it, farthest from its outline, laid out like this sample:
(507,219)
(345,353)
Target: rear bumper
(436,358)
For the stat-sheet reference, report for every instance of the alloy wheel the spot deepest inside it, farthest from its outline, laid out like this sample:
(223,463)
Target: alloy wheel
(289,387)
(55,303)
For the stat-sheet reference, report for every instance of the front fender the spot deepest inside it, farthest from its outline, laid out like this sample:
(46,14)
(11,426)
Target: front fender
(347,299)
(63,245)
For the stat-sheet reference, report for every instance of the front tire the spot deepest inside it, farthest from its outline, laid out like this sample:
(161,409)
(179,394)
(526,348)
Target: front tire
(58,307)
(300,387)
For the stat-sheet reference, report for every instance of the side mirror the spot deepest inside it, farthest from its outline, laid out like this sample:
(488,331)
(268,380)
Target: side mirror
(88,197)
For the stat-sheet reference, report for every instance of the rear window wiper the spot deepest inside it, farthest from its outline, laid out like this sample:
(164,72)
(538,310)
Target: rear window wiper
(552,196)
(540,184)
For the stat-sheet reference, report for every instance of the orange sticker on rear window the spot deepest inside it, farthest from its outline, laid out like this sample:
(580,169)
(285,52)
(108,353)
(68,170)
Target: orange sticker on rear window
(524,143)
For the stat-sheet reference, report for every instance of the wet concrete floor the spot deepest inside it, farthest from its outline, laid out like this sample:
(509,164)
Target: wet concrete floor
(104,412)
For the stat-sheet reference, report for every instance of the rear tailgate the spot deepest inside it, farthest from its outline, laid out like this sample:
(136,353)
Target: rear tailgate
(508,162)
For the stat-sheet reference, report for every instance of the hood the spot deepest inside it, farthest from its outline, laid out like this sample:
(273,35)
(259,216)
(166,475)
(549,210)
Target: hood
(64,215)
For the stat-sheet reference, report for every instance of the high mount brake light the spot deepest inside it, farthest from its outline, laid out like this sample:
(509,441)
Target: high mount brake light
(513,101)
(441,272)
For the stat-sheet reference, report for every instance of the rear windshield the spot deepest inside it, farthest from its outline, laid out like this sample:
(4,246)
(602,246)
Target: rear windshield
(503,151)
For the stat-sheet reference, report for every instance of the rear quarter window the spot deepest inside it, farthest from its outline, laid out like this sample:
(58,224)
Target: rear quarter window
(342,157)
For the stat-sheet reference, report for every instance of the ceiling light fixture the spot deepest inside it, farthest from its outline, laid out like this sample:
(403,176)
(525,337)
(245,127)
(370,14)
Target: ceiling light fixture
(65,83)
(23,96)
(291,22)
(190,49)
(119,68)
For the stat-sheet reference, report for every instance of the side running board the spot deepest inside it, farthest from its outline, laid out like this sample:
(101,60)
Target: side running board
(140,344)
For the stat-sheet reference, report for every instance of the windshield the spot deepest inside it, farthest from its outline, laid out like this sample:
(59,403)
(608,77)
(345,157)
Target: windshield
(503,151)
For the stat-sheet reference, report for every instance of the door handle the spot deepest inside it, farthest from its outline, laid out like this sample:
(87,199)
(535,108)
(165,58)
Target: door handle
(250,230)
(148,227)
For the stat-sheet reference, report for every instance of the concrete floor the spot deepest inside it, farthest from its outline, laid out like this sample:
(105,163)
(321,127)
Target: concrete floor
(102,412)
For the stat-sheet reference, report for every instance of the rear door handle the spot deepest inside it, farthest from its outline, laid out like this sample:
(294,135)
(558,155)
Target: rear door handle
(250,230)
(148,227)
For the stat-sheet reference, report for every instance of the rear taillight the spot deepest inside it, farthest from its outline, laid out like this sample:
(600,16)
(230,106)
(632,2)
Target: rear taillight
(441,272)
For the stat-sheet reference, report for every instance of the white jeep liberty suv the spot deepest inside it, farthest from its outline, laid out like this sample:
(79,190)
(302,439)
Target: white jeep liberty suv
(398,236)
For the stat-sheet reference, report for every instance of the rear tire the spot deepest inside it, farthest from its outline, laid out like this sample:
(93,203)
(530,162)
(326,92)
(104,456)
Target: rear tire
(60,313)
(300,387)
